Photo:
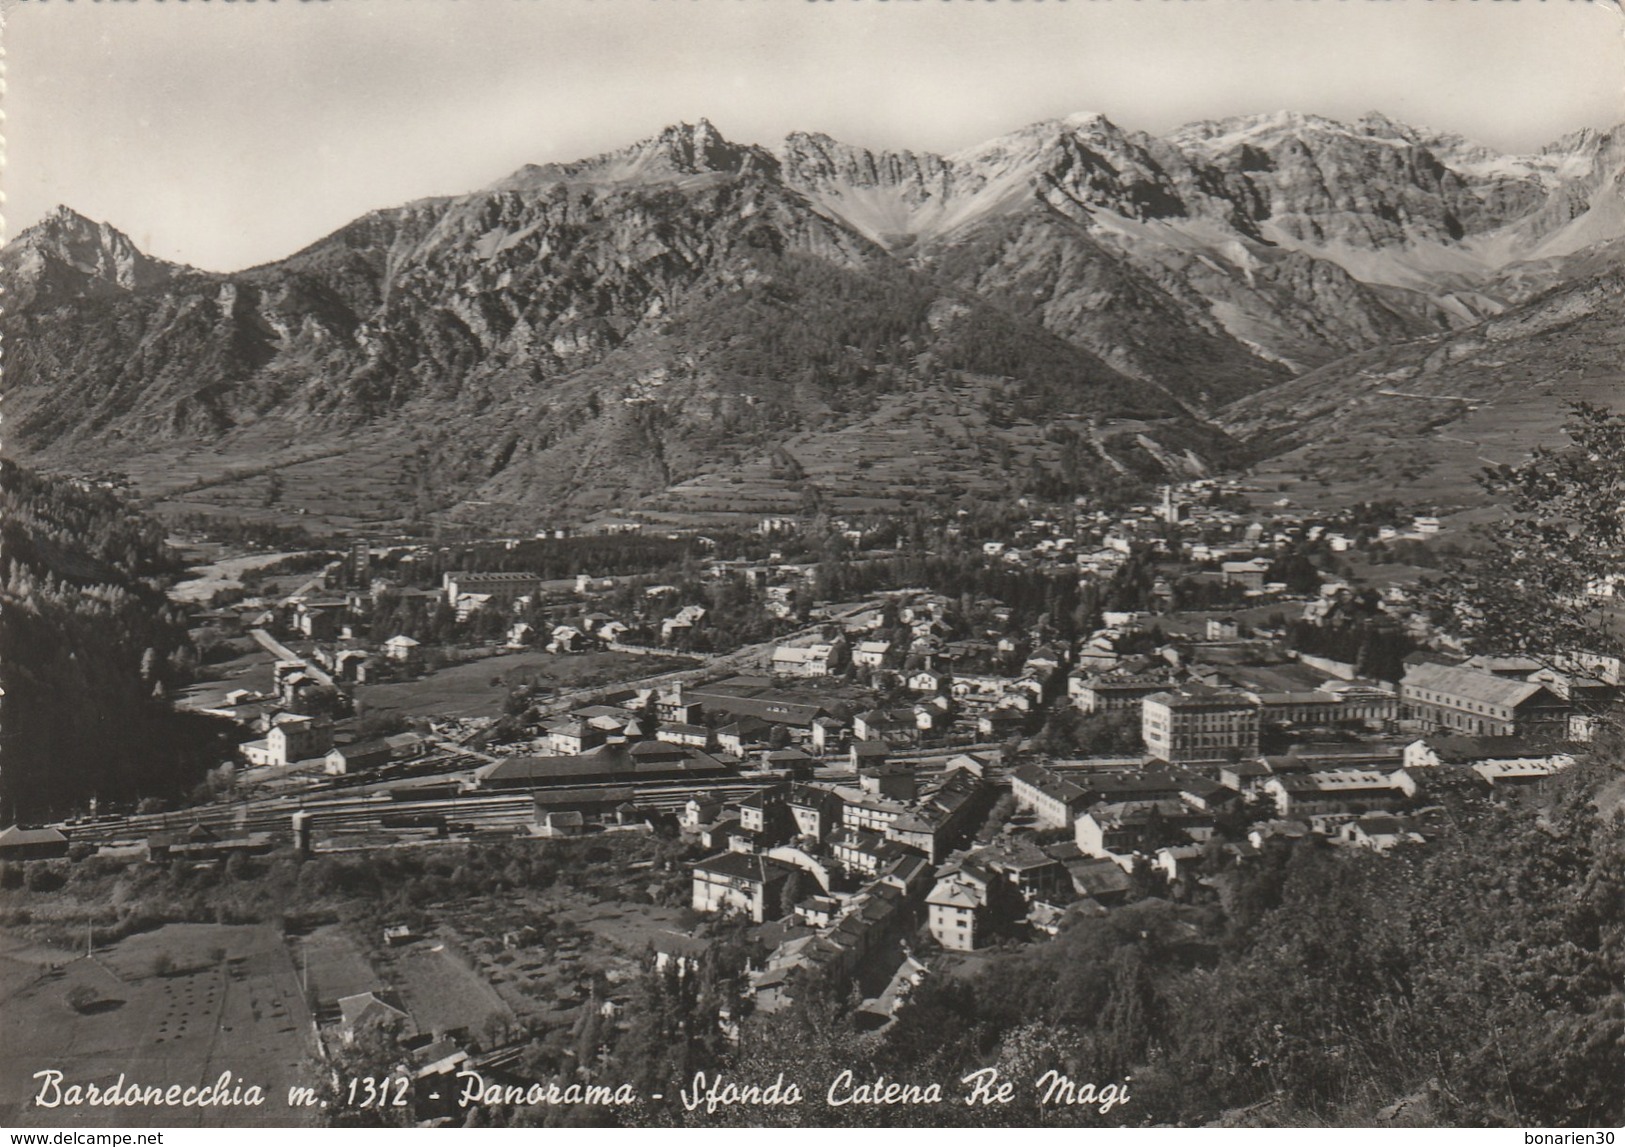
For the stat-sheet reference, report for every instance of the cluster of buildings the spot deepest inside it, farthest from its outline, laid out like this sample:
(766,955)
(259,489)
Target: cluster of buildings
(1194,711)
(843,869)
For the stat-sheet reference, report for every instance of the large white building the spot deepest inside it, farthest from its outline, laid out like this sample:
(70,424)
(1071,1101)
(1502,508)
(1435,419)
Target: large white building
(740,882)
(1458,699)
(292,738)
(805,660)
(956,911)
(1199,724)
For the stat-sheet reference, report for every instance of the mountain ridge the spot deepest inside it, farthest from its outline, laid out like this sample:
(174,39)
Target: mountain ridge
(662,301)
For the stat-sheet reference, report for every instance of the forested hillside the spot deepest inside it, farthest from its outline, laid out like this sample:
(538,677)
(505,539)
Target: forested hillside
(88,647)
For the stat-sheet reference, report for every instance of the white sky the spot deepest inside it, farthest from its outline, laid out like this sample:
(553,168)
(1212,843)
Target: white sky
(226,134)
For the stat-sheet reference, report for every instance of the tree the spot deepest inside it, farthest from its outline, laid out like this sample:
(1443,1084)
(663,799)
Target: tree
(1561,534)
(790,894)
(83,998)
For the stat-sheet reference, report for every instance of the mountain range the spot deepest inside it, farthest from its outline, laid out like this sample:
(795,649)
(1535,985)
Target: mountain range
(692,326)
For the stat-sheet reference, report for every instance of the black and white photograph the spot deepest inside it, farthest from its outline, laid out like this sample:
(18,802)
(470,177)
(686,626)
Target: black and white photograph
(627,564)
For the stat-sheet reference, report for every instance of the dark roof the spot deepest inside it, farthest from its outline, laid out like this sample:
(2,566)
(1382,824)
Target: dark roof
(792,754)
(745,727)
(762,798)
(590,711)
(810,796)
(613,762)
(1013,854)
(906,866)
(680,944)
(650,750)
(1380,825)
(1204,697)
(686,730)
(363,749)
(1456,750)
(755,697)
(1050,784)
(743,866)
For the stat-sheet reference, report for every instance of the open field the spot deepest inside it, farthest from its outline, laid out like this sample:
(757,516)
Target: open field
(232,1003)
(250,669)
(466,690)
(629,928)
(333,965)
(226,573)
(441,990)
(574,942)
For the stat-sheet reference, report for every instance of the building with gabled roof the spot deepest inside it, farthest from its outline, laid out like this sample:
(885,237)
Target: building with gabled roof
(364,1010)
(19,843)
(1438,749)
(642,763)
(1119,832)
(343,760)
(1456,699)
(1379,832)
(758,697)
(1055,801)
(740,882)
(740,736)
(1505,774)
(870,654)
(955,911)
(401,647)
(820,660)
(1339,791)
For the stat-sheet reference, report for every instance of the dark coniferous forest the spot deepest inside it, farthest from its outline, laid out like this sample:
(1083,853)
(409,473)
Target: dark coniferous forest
(89,648)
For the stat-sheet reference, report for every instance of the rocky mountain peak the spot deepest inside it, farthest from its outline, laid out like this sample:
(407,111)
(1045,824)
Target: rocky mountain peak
(677,151)
(1092,124)
(693,149)
(1172,274)
(66,255)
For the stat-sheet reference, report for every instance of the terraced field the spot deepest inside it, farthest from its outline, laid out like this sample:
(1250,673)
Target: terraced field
(229,1003)
(336,483)
(916,446)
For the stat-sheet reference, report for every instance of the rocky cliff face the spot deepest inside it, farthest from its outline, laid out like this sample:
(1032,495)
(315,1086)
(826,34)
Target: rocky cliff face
(65,257)
(1290,239)
(594,332)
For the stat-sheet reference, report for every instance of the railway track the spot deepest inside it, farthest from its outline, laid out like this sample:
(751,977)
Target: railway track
(362,813)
